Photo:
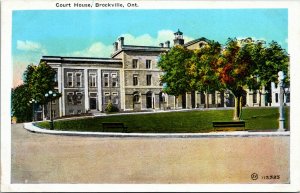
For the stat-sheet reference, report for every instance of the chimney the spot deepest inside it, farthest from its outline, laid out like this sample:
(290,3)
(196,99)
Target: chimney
(115,46)
(167,44)
(121,42)
(161,45)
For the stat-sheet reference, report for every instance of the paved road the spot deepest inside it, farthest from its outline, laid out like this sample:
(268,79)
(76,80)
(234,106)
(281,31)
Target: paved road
(43,158)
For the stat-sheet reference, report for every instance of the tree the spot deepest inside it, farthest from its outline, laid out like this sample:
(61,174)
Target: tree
(273,59)
(240,64)
(236,69)
(21,108)
(40,81)
(174,65)
(203,68)
(250,64)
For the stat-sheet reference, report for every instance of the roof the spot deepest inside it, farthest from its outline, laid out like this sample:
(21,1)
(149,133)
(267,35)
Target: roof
(140,48)
(60,59)
(178,32)
(195,41)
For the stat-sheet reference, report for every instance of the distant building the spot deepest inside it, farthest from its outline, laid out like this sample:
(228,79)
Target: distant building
(275,95)
(130,80)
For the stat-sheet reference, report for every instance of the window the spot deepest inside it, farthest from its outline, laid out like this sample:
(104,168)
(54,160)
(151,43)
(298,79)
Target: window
(93,94)
(148,64)
(114,80)
(70,79)
(78,98)
(115,98)
(71,112)
(136,97)
(70,97)
(276,97)
(106,97)
(55,79)
(92,80)
(78,79)
(149,79)
(134,63)
(135,80)
(106,80)
(79,111)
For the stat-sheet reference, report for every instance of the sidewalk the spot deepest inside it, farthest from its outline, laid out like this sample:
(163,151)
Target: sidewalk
(32,128)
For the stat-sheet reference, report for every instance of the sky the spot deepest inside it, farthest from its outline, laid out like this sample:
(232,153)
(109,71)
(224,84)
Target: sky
(91,33)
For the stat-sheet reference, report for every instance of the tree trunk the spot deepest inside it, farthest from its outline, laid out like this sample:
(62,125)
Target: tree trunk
(237,108)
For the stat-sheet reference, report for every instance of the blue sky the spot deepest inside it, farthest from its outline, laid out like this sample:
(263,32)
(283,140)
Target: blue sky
(92,32)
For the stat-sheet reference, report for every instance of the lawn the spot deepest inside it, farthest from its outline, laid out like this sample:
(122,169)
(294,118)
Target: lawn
(175,122)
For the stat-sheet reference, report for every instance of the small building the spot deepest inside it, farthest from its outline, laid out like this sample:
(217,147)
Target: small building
(275,95)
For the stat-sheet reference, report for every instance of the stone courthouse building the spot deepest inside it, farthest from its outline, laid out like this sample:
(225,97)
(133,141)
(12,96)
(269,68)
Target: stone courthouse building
(130,80)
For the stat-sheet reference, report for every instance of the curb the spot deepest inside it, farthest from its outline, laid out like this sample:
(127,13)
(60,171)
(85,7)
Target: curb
(30,127)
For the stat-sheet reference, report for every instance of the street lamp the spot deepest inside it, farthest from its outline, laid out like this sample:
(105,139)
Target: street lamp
(281,76)
(51,95)
(32,101)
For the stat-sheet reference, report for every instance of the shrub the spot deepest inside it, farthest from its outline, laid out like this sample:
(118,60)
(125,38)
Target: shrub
(111,108)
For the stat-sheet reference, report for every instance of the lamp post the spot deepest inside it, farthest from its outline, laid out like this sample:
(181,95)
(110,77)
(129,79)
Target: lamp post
(51,95)
(281,93)
(32,101)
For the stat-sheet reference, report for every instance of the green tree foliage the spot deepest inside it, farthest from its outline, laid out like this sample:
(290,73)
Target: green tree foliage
(249,64)
(240,64)
(21,108)
(203,68)
(38,80)
(273,59)
(235,66)
(41,81)
(174,64)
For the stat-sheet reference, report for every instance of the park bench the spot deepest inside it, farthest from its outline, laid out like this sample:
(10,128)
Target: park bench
(228,125)
(113,125)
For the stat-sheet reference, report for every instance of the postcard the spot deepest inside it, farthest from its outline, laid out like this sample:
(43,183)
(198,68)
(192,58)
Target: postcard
(149,95)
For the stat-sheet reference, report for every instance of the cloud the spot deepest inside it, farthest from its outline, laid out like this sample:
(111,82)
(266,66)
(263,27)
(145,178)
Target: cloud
(30,46)
(146,39)
(97,49)
(31,53)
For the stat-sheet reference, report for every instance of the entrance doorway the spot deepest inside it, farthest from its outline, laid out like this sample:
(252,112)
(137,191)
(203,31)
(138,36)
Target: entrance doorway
(93,104)
(149,100)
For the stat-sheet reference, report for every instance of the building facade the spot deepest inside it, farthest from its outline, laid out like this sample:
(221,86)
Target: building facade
(130,80)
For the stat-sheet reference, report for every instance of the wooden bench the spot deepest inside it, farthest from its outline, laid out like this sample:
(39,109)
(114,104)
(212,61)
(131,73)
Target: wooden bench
(225,125)
(114,125)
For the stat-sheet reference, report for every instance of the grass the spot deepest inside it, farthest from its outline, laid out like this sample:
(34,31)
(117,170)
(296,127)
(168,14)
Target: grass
(175,122)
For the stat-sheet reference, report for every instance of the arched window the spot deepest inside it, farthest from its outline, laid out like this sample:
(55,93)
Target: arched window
(136,97)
